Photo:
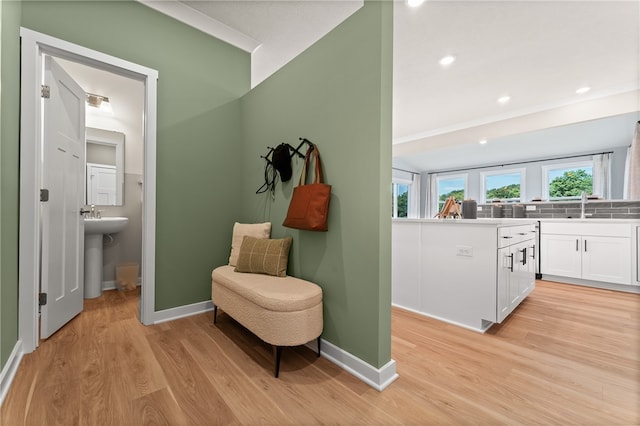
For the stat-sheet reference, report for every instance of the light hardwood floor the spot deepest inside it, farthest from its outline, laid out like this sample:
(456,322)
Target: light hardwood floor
(568,356)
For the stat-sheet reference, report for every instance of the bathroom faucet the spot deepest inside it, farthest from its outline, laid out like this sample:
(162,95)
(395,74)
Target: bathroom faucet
(93,211)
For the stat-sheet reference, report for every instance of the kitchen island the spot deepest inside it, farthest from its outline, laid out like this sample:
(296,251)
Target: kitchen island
(468,272)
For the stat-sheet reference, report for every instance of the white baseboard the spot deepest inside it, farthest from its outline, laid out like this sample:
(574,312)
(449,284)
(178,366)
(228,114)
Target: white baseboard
(377,378)
(113,285)
(486,325)
(595,284)
(109,285)
(182,311)
(9,371)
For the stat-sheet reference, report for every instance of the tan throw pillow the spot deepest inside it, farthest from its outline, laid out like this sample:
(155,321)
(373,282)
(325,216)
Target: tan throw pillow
(264,256)
(241,230)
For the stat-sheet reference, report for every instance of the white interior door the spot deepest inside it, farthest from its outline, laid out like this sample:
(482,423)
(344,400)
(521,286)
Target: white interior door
(63,176)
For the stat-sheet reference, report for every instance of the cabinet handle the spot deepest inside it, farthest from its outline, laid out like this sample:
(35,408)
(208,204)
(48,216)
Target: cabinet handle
(511,267)
(585,245)
(577,248)
(524,256)
(533,251)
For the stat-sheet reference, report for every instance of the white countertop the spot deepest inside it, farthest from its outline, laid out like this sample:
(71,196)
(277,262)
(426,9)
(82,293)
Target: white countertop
(589,220)
(512,221)
(488,221)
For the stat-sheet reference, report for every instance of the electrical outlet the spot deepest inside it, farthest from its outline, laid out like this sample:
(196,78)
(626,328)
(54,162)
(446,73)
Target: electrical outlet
(531,208)
(464,251)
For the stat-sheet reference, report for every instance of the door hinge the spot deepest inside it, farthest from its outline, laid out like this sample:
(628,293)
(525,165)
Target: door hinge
(42,299)
(45,91)
(44,195)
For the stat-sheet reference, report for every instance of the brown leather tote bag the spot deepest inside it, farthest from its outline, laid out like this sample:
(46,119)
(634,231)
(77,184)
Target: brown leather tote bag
(309,206)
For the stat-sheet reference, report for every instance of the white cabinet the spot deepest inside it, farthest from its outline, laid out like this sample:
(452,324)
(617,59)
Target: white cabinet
(516,274)
(596,252)
(561,255)
(406,261)
(635,257)
(472,273)
(606,259)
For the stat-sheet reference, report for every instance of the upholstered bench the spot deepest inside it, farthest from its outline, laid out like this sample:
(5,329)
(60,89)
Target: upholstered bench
(282,311)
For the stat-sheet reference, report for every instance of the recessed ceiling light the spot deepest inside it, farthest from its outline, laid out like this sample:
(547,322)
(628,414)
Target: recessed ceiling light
(447,60)
(482,141)
(504,99)
(415,3)
(583,90)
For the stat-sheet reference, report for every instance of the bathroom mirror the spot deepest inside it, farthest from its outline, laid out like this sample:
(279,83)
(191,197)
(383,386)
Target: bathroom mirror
(104,167)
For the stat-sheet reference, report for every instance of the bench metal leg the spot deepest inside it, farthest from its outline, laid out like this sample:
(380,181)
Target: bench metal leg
(215,313)
(318,346)
(277,352)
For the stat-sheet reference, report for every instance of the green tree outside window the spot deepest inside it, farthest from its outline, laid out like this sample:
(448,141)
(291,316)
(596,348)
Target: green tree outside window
(505,192)
(403,201)
(571,184)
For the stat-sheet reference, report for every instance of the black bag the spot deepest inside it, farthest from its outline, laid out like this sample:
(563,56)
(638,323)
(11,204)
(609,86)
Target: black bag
(281,160)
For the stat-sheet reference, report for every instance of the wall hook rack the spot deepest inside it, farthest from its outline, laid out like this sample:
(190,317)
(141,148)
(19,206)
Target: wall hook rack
(281,164)
(297,149)
(293,151)
(266,157)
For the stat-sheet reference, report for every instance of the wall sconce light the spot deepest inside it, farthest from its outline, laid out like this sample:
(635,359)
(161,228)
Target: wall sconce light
(100,102)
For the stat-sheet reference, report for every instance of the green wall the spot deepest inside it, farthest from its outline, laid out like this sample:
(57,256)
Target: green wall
(200,82)
(338,95)
(9,175)
(210,137)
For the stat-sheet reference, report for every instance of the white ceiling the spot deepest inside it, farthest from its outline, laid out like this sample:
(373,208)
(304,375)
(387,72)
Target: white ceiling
(274,32)
(538,52)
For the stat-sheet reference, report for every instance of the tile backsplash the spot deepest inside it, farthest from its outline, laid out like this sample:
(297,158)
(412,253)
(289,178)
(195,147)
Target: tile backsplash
(569,209)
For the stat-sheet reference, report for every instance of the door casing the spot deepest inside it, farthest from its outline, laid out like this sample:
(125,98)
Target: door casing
(34,45)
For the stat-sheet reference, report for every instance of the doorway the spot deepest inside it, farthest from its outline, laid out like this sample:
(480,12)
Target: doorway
(114,166)
(34,48)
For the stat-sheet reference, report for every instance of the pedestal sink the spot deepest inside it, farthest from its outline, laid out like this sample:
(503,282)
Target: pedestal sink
(94,230)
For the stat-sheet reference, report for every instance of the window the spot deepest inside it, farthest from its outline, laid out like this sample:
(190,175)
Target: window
(405,193)
(451,185)
(504,185)
(400,200)
(567,181)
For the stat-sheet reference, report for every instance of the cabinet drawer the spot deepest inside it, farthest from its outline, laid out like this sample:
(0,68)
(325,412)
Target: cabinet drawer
(583,228)
(508,235)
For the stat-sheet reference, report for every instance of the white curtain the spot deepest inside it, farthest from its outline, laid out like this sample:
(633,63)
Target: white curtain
(602,175)
(632,168)
(627,166)
(413,209)
(431,202)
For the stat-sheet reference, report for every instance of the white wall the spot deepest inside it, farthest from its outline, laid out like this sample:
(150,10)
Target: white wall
(126,118)
(126,96)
